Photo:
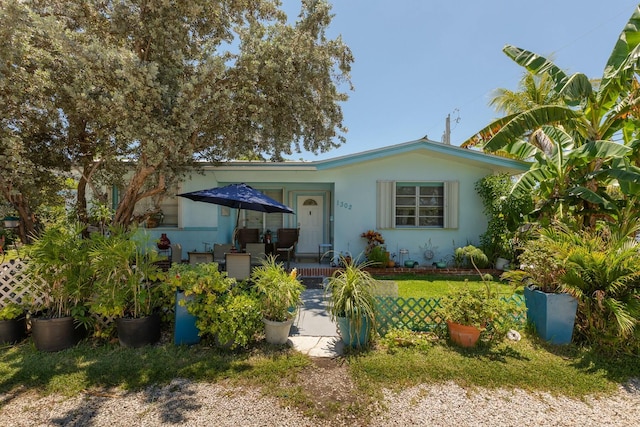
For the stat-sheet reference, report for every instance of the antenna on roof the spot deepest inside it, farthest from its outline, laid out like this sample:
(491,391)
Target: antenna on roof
(446,136)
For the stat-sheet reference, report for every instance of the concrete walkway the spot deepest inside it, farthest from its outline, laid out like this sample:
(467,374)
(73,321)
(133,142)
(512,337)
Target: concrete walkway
(313,333)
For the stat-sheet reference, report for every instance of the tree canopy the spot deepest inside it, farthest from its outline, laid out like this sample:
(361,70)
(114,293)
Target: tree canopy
(134,93)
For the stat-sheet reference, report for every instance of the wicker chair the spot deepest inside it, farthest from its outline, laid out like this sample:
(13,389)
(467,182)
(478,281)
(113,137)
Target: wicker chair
(247,235)
(286,244)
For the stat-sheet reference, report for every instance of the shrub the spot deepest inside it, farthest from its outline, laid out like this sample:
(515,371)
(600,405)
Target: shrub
(378,256)
(225,311)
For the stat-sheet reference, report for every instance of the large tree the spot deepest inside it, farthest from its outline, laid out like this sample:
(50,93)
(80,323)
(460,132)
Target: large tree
(574,146)
(140,90)
(32,163)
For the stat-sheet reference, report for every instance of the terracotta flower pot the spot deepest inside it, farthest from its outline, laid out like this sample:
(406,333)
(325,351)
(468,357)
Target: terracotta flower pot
(463,335)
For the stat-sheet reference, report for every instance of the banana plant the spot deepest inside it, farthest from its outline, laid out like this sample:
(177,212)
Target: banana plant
(572,148)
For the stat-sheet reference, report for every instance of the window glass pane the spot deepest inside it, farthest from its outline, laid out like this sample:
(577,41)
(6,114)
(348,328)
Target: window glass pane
(405,212)
(405,201)
(406,190)
(431,191)
(404,220)
(431,222)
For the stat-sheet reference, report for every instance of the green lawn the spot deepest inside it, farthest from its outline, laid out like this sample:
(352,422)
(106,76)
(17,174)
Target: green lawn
(412,286)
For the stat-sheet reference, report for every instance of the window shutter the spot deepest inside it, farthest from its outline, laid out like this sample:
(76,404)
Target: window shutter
(385,212)
(451,204)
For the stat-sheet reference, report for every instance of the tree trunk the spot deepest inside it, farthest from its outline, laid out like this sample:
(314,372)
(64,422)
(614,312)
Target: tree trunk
(26,228)
(132,195)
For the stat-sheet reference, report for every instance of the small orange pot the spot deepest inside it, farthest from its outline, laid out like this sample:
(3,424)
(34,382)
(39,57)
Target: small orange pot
(463,335)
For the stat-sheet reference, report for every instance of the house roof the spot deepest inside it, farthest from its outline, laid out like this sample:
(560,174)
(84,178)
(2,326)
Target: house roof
(498,163)
(469,156)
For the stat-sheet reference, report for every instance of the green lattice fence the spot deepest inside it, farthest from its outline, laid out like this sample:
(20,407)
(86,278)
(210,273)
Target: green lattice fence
(417,314)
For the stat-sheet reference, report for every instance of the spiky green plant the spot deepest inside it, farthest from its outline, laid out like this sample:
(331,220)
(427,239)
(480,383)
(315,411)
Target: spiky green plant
(600,269)
(61,269)
(278,290)
(350,293)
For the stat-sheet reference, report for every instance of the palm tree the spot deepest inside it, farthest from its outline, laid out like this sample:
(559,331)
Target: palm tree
(533,90)
(572,144)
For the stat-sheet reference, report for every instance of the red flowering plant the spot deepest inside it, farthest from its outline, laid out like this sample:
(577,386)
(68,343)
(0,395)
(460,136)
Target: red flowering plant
(373,239)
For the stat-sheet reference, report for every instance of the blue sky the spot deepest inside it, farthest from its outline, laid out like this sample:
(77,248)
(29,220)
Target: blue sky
(416,61)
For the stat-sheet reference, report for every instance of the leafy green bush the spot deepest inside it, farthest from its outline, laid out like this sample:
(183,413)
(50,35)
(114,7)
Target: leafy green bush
(505,212)
(11,311)
(482,308)
(378,256)
(225,312)
(406,338)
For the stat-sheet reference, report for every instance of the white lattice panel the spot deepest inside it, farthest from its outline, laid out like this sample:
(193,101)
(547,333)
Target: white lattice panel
(16,285)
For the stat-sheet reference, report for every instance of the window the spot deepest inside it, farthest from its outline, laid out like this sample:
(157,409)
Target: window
(420,205)
(417,204)
(265,221)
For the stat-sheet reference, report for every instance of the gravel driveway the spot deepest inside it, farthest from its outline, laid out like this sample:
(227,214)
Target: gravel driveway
(186,403)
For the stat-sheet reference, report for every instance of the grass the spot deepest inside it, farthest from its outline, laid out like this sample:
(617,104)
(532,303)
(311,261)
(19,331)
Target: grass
(528,364)
(88,366)
(411,286)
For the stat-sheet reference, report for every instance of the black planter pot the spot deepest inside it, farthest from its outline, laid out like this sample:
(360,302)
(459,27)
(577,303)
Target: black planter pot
(13,331)
(54,334)
(138,332)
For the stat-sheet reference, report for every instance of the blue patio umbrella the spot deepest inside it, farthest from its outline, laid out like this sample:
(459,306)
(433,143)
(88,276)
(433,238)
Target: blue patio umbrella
(238,196)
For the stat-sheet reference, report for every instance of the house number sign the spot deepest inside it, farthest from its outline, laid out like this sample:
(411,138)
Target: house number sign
(343,204)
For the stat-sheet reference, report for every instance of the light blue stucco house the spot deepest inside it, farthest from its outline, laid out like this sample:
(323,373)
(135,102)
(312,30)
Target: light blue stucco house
(417,194)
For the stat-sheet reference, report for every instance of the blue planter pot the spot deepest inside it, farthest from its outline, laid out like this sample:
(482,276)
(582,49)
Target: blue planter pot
(552,315)
(186,331)
(352,337)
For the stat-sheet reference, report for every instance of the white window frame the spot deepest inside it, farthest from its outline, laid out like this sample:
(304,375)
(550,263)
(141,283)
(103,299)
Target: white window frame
(386,204)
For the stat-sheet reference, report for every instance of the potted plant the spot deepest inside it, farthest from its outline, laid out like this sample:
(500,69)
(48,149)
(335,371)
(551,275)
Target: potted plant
(127,286)
(62,278)
(550,310)
(470,313)
(279,294)
(13,326)
(223,310)
(351,303)
(378,257)
(374,240)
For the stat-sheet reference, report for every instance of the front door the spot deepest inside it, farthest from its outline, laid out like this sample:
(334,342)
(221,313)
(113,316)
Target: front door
(310,221)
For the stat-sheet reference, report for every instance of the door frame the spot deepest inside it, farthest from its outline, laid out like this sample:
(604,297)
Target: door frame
(327,216)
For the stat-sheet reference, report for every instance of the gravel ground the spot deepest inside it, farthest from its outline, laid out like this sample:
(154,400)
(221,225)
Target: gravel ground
(187,403)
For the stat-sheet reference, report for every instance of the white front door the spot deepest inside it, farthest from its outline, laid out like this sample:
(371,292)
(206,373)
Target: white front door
(310,222)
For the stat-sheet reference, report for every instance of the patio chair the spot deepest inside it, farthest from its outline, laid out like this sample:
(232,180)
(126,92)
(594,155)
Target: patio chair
(247,235)
(257,251)
(238,265)
(199,257)
(286,244)
(219,250)
(176,253)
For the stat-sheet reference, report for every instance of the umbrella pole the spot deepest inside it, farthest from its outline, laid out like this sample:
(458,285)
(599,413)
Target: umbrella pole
(235,230)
